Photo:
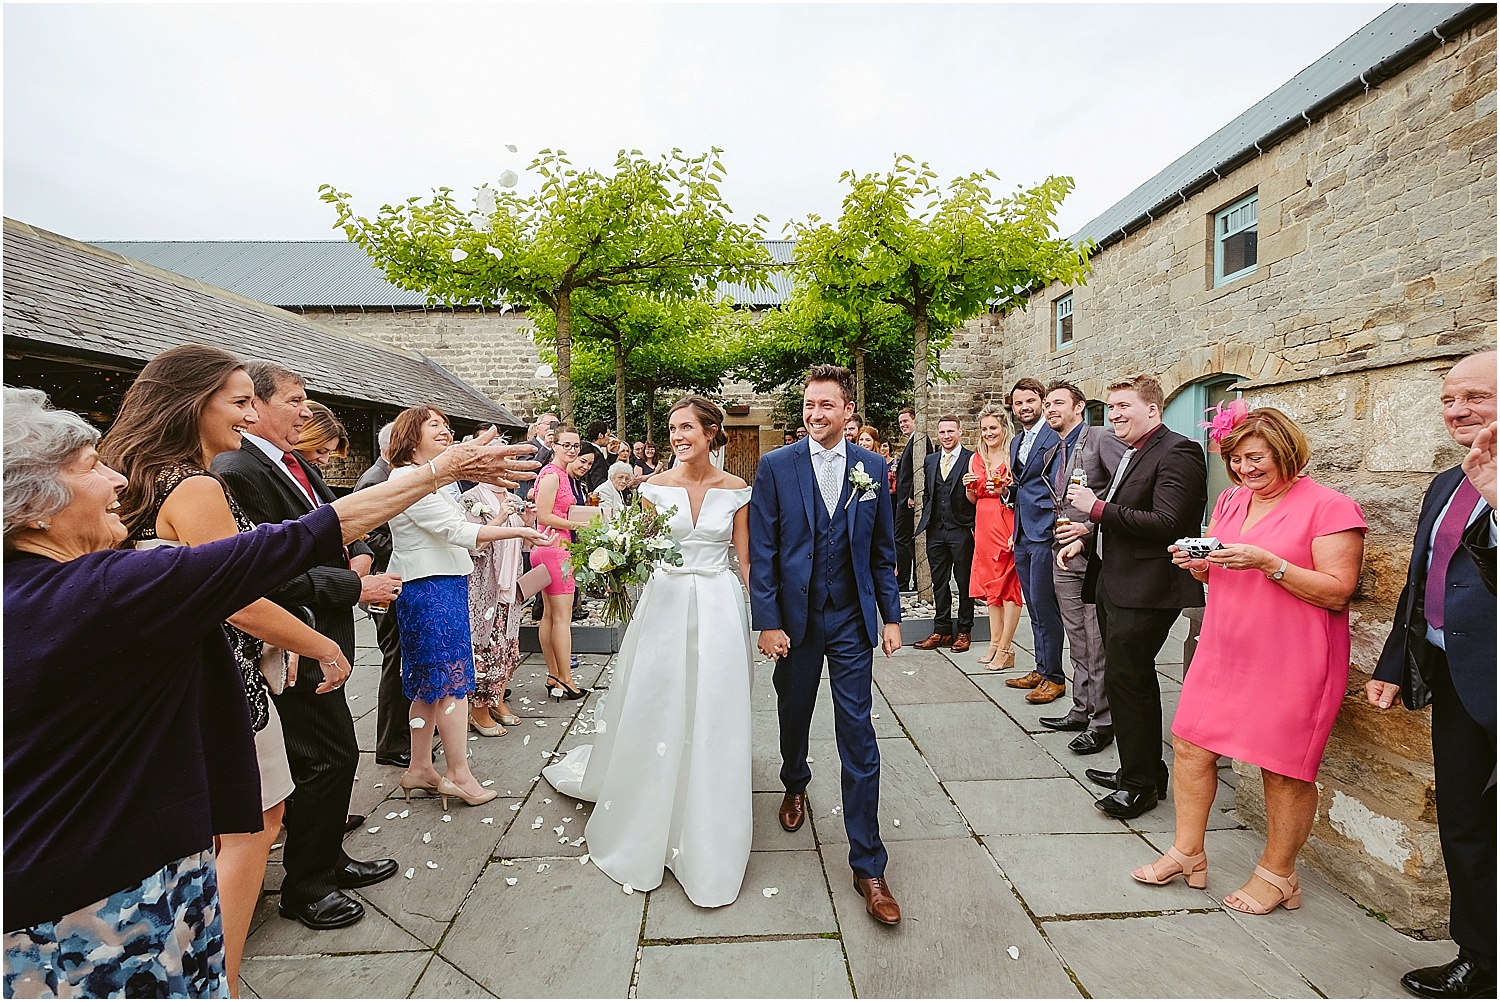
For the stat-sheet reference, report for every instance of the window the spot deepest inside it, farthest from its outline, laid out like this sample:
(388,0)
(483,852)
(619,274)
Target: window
(1235,232)
(1185,414)
(1062,310)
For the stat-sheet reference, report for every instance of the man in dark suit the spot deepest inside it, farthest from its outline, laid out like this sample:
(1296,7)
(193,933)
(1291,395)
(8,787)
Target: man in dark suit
(948,529)
(1442,650)
(541,436)
(272,484)
(1035,521)
(392,735)
(1155,497)
(906,514)
(823,589)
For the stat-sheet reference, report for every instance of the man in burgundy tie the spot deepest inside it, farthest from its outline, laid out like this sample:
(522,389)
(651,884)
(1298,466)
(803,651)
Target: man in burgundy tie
(1442,650)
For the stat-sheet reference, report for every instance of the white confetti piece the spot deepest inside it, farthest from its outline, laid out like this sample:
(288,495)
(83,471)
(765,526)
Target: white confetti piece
(459,254)
(584,858)
(566,820)
(908,673)
(392,816)
(537,824)
(431,865)
(510,881)
(661,747)
(486,821)
(563,840)
(511,147)
(507,862)
(526,740)
(546,800)
(874,716)
(417,723)
(675,851)
(540,723)
(508,179)
(558,830)
(488,783)
(276,846)
(1015,954)
(515,807)
(896,822)
(577,842)
(411,871)
(769,891)
(607,803)
(379,786)
(372,831)
(543,867)
(447,710)
(489,614)
(577,807)
(405,814)
(627,888)
(447,817)
(473,737)
(427,836)
(599,729)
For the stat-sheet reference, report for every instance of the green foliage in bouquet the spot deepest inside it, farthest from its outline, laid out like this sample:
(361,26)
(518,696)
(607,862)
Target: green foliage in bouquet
(619,550)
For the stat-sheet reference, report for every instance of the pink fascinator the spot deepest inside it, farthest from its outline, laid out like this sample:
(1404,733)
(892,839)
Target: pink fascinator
(1223,419)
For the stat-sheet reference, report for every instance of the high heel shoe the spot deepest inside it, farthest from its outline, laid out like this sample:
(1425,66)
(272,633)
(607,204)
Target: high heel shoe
(509,719)
(493,731)
(1008,661)
(1193,869)
(447,788)
(990,652)
(560,691)
(1290,888)
(407,786)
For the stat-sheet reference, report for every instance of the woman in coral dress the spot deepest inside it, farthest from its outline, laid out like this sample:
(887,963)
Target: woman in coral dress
(993,575)
(1272,661)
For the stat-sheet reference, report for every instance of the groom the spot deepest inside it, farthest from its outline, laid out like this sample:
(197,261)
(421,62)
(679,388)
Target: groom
(823,586)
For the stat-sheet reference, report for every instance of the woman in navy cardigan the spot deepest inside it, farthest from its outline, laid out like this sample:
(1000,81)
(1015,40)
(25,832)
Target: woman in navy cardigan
(110,812)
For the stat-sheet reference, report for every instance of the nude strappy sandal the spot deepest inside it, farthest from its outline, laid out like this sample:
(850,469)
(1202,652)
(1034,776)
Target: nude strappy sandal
(1291,894)
(1194,870)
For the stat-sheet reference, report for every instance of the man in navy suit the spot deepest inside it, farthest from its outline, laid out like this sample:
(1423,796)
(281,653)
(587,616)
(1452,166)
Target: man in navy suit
(823,587)
(1035,523)
(1442,650)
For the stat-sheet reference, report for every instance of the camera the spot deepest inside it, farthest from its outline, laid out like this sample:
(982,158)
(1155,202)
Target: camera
(1198,547)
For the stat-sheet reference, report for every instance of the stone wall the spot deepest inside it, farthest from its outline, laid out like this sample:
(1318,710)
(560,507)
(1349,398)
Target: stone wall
(1376,271)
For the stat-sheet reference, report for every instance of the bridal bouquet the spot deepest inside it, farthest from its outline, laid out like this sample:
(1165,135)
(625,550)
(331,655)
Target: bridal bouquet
(617,550)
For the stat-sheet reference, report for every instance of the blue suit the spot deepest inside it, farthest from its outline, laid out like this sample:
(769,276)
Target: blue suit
(1035,523)
(829,582)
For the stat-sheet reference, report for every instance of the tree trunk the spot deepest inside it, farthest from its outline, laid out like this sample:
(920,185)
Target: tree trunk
(651,419)
(859,380)
(919,465)
(620,387)
(565,356)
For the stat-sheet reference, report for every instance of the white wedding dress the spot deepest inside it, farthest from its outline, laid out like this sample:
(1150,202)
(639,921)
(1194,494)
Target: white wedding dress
(669,772)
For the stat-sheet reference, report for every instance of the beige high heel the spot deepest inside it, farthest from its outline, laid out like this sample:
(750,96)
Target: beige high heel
(1290,888)
(1008,661)
(407,786)
(990,652)
(492,731)
(1194,870)
(447,788)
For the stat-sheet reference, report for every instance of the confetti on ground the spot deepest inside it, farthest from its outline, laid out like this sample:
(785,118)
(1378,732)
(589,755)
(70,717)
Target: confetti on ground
(661,747)
(488,783)
(537,824)
(1015,954)
(447,817)
(577,807)
(769,891)
(874,716)
(896,822)
(515,807)
(427,836)
(507,862)
(908,673)
(584,858)
(411,871)
(526,740)
(372,831)
(627,888)
(607,803)
(392,816)
(566,820)
(473,739)
(405,813)
(431,865)
(510,881)
(486,821)
(546,800)
(577,842)
(558,830)
(543,867)
(379,786)
(276,846)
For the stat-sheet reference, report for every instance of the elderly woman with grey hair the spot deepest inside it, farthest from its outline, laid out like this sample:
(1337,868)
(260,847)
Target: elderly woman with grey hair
(612,493)
(110,813)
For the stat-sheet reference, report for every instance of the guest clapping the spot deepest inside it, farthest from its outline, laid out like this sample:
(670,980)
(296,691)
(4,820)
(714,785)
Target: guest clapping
(431,543)
(1290,560)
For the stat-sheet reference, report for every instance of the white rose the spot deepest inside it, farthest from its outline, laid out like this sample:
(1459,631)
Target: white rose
(599,560)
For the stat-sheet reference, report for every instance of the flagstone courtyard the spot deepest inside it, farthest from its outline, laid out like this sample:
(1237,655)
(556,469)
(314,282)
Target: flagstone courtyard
(1011,883)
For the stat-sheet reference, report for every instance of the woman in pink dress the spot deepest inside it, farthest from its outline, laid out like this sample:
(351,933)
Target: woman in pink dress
(993,577)
(1289,563)
(554,497)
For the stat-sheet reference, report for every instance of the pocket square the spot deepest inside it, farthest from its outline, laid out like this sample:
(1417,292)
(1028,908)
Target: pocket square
(867,496)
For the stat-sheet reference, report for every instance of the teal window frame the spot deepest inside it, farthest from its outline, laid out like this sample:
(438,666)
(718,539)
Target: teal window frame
(1232,221)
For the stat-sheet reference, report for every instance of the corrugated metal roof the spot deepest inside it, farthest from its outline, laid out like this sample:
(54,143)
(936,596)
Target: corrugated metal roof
(332,273)
(1374,53)
(71,297)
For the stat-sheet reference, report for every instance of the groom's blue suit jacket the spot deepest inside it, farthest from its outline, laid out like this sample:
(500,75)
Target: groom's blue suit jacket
(783,536)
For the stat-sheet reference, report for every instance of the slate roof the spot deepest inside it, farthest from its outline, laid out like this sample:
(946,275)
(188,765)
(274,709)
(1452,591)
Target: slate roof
(72,299)
(1376,52)
(336,274)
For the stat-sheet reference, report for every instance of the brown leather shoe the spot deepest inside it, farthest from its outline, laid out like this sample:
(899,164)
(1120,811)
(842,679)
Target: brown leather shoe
(878,900)
(1045,692)
(793,811)
(960,643)
(1028,681)
(935,641)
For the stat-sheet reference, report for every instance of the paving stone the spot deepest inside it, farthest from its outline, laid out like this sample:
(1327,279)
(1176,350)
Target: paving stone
(246,992)
(568,932)
(768,833)
(908,792)
(803,968)
(1029,807)
(1173,956)
(364,730)
(283,937)
(1343,951)
(933,680)
(444,981)
(975,741)
(968,662)
(958,918)
(799,906)
(1086,874)
(366,797)
(385,975)
(521,840)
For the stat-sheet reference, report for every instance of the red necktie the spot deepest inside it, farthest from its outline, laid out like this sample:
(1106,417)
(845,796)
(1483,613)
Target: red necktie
(300,475)
(1449,535)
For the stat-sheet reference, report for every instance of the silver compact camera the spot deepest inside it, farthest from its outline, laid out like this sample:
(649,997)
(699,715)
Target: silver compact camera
(1198,547)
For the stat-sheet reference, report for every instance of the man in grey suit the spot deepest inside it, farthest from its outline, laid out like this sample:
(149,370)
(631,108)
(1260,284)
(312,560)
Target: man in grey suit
(1094,454)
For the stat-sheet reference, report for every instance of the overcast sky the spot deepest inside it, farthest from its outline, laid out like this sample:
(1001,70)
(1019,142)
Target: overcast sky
(219,122)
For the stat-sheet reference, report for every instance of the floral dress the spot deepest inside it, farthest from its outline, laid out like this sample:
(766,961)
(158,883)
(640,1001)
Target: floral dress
(494,620)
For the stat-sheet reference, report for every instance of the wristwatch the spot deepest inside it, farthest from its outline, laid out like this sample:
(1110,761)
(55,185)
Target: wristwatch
(1279,572)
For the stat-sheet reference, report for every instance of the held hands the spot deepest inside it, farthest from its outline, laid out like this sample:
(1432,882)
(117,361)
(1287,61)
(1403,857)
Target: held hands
(774,644)
(1479,464)
(379,587)
(890,638)
(1240,557)
(1081,497)
(1071,532)
(1382,694)
(1068,552)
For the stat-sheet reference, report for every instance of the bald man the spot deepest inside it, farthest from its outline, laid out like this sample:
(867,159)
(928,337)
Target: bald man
(1442,651)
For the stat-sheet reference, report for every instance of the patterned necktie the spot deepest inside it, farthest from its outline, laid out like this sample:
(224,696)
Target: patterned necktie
(828,480)
(1449,536)
(947,464)
(300,475)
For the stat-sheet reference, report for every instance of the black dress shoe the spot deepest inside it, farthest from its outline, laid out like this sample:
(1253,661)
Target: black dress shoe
(1092,742)
(400,759)
(356,873)
(1111,780)
(1457,979)
(352,822)
(1063,724)
(1123,805)
(332,911)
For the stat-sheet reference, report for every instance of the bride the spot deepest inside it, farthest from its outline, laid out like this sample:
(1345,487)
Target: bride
(670,771)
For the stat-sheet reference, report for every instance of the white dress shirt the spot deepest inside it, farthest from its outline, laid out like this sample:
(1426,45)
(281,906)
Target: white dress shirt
(276,452)
(950,456)
(1028,439)
(840,464)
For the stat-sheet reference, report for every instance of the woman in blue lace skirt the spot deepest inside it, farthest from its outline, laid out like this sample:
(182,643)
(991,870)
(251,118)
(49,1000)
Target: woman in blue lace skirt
(431,546)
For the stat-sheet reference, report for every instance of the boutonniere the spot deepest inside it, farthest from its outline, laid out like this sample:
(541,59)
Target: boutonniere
(478,508)
(861,482)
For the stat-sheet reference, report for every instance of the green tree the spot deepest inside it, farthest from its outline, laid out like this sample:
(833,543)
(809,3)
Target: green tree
(654,225)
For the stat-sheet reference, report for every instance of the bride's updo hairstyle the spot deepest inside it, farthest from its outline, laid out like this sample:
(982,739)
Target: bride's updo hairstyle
(708,415)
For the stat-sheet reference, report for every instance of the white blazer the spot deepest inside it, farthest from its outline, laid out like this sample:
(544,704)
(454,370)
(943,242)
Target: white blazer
(433,537)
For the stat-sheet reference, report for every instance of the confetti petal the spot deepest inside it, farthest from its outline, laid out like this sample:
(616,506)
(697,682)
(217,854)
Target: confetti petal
(661,746)
(427,836)
(448,710)
(406,813)
(379,786)
(417,722)
(486,821)
(487,783)
(392,816)
(372,831)
(515,807)
(411,871)
(558,830)
(459,254)
(508,179)
(537,824)
(510,881)
(449,817)
(769,891)
(627,888)
(431,865)
(543,867)
(1015,954)
(584,858)
(896,822)
(526,740)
